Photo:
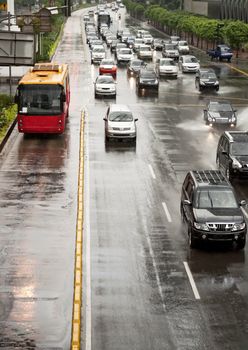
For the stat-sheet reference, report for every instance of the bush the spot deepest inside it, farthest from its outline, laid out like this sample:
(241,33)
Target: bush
(7,112)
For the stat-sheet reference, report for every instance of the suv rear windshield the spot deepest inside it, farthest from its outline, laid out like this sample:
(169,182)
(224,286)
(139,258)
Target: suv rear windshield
(215,198)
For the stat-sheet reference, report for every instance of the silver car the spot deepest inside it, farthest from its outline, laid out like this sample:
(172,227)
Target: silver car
(120,123)
(98,53)
(105,86)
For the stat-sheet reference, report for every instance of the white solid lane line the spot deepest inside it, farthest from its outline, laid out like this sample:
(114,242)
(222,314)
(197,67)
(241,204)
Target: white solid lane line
(191,280)
(166,212)
(152,172)
(87,245)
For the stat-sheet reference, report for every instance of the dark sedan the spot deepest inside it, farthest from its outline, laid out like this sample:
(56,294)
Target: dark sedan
(134,66)
(220,112)
(147,79)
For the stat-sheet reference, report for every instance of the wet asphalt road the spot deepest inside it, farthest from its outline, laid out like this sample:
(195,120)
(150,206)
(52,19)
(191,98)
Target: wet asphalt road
(141,297)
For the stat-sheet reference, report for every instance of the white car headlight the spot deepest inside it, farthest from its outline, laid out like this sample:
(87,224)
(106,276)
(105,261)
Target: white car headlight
(216,83)
(201,226)
(202,82)
(238,227)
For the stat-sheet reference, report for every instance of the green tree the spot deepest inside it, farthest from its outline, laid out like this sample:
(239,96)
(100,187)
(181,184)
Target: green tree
(236,34)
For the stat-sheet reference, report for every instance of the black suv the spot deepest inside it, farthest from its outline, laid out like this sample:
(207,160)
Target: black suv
(210,209)
(232,154)
(147,78)
(206,79)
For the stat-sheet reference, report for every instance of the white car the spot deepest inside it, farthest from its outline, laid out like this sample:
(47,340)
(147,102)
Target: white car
(188,63)
(167,67)
(105,86)
(183,47)
(145,52)
(98,53)
(147,39)
(124,55)
(137,43)
(141,32)
(120,123)
(170,51)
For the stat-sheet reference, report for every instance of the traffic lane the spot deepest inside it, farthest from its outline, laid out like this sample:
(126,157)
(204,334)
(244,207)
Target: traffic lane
(38,215)
(147,102)
(139,286)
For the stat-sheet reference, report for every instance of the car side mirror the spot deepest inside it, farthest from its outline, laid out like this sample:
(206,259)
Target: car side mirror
(105,119)
(224,152)
(242,203)
(235,110)
(205,111)
(136,119)
(187,202)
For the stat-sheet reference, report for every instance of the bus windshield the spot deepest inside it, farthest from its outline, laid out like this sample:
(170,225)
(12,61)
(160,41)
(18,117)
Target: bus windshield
(40,99)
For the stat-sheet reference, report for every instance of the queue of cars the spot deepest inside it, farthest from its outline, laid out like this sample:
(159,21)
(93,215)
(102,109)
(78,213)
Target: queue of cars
(208,204)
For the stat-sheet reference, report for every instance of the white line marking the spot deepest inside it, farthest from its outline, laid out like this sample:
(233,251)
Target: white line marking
(156,271)
(87,246)
(191,280)
(166,212)
(152,172)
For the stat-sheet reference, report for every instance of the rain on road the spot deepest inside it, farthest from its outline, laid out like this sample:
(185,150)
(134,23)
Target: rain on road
(141,297)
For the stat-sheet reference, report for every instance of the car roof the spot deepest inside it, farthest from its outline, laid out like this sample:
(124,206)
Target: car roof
(237,136)
(207,178)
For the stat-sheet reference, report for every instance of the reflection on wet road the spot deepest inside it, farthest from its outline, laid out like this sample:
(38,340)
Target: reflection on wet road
(141,297)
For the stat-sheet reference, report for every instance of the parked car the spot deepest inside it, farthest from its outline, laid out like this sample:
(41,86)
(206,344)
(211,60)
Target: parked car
(134,66)
(98,53)
(147,78)
(188,63)
(145,52)
(206,79)
(108,66)
(166,67)
(124,55)
(232,154)
(157,44)
(221,52)
(170,51)
(220,112)
(210,209)
(120,123)
(183,47)
(105,86)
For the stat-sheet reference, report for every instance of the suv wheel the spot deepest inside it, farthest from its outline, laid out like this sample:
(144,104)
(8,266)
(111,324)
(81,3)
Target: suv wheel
(241,243)
(192,240)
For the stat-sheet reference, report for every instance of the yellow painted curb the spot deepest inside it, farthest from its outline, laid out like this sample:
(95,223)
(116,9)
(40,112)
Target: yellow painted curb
(238,70)
(77,296)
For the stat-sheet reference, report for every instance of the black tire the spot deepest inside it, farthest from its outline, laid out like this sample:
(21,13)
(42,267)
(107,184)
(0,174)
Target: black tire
(192,241)
(106,139)
(217,88)
(200,88)
(96,96)
(241,243)
(229,60)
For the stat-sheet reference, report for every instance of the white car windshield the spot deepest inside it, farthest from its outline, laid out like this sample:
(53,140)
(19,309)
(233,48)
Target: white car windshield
(121,117)
(98,49)
(105,80)
(190,60)
(167,63)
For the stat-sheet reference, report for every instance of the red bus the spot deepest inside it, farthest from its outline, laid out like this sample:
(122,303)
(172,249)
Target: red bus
(43,97)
